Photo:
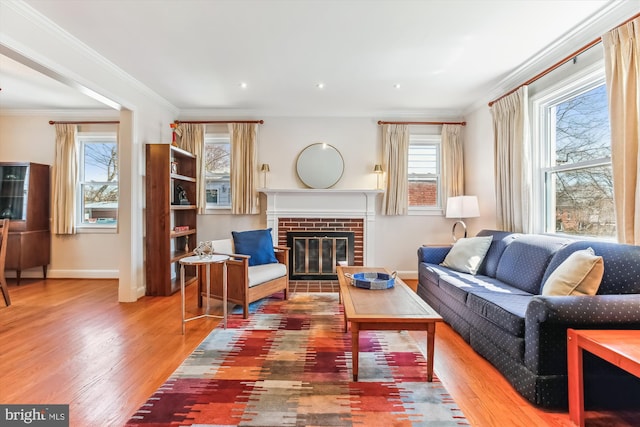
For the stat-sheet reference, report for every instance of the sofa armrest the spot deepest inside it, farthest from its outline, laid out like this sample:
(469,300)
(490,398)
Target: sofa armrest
(433,254)
(548,318)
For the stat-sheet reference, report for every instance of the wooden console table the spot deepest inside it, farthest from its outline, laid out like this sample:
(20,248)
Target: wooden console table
(619,347)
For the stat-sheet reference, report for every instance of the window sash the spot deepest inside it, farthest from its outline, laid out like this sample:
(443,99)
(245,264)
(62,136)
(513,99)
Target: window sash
(218,182)
(108,221)
(548,170)
(424,166)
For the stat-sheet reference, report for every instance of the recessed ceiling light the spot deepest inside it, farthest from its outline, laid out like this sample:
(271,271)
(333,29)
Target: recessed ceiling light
(320,85)
(243,85)
(397,85)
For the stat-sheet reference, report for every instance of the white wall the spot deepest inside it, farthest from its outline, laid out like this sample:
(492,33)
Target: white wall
(144,117)
(32,139)
(358,139)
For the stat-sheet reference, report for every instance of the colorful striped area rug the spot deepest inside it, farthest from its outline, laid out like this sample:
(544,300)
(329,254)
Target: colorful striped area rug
(289,364)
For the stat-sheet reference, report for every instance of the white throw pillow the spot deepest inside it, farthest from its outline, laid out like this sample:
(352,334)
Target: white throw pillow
(467,254)
(579,274)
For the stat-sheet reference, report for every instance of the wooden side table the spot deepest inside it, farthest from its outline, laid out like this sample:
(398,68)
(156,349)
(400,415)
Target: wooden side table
(619,347)
(206,261)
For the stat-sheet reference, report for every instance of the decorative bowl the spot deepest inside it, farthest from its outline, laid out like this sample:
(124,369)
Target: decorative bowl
(373,280)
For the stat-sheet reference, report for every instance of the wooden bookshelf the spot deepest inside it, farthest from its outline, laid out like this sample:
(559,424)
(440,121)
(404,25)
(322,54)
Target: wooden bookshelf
(168,167)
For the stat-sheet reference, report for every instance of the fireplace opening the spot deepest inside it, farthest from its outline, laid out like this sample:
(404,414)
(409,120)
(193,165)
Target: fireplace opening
(314,255)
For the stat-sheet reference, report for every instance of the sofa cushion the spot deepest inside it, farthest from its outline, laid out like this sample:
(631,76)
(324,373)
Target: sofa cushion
(256,243)
(504,310)
(501,240)
(622,269)
(467,254)
(524,261)
(263,273)
(579,274)
(459,285)
(432,272)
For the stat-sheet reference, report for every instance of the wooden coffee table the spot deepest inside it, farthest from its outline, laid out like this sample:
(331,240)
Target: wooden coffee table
(395,309)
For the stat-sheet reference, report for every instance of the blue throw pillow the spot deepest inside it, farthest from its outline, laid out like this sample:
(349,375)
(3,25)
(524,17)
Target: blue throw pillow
(256,243)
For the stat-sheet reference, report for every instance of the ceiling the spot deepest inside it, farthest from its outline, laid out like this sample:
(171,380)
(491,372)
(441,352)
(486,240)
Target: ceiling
(375,56)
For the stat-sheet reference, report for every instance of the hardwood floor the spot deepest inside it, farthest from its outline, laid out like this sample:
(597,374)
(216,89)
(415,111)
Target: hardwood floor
(70,341)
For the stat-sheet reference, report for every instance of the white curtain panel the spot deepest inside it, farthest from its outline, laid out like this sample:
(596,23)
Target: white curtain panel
(244,168)
(452,162)
(191,139)
(513,173)
(622,67)
(65,177)
(395,160)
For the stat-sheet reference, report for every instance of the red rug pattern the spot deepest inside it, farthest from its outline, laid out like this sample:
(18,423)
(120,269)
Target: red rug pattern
(289,364)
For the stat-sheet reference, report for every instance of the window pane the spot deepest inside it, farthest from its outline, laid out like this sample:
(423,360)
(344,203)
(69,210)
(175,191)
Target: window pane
(582,128)
(218,167)
(423,175)
(99,204)
(584,202)
(100,162)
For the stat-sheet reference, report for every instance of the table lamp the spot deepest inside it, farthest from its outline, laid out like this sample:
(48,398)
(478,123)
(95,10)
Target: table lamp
(462,207)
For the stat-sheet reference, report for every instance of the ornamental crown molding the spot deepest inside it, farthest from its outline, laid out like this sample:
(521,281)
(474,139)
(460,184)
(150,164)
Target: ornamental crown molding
(607,18)
(49,67)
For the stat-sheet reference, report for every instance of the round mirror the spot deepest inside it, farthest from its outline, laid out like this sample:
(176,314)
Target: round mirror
(320,165)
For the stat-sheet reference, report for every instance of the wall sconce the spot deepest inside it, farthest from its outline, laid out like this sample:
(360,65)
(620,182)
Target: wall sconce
(462,207)
(264,169)
(377,169)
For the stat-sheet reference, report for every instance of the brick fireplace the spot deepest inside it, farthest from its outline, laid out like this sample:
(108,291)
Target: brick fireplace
(327,210)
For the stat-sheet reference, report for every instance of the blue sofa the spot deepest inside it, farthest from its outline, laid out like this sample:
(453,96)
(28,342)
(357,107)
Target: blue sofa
(501,313)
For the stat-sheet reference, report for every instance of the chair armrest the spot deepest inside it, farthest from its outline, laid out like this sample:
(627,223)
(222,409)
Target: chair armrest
(282,255)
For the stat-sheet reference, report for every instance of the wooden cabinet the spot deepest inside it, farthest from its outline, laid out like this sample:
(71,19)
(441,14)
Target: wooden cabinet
(24,199)
(170,216)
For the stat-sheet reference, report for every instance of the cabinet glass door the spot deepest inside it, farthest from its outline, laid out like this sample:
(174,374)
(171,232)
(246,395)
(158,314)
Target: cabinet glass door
(14,183)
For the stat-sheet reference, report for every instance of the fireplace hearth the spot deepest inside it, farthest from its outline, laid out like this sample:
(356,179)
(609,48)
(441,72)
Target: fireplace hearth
(314,255)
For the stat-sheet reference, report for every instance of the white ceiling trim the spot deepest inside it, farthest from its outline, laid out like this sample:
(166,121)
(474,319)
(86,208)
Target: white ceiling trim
(599,23)
(62,114)
(59,73)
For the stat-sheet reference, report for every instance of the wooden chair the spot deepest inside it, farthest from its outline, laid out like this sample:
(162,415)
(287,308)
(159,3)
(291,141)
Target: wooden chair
(246,284)
(4,237)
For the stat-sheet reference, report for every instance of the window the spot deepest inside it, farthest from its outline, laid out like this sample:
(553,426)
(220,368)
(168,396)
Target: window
(424,172)
(98,180)
(575,174)
(217,150)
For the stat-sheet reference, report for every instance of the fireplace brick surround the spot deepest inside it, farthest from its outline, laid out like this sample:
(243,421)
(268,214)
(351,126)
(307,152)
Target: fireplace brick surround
(299,209)
(355,225)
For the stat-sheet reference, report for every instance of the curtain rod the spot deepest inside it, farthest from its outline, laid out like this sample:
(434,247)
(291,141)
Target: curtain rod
(53,122)
(561,62)
(205,122)
(380,122)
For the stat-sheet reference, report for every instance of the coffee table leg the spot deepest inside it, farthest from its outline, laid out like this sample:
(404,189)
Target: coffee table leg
(431,340)
(355,344)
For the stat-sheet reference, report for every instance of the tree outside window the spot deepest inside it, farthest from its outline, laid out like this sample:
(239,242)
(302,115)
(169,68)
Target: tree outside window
(98,186)
(579,181)
(218,170)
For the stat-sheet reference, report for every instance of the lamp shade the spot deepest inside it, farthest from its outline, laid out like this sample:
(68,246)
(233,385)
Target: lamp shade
(462,207)
(377,168)
(265,167)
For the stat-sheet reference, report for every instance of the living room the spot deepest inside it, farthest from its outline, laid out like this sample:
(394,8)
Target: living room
(117,255)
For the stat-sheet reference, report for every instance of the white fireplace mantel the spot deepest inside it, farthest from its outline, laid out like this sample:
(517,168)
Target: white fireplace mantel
(325,203)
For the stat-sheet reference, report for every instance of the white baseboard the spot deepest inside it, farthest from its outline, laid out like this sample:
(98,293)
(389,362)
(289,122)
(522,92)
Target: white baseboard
(36,273)
(408,275)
